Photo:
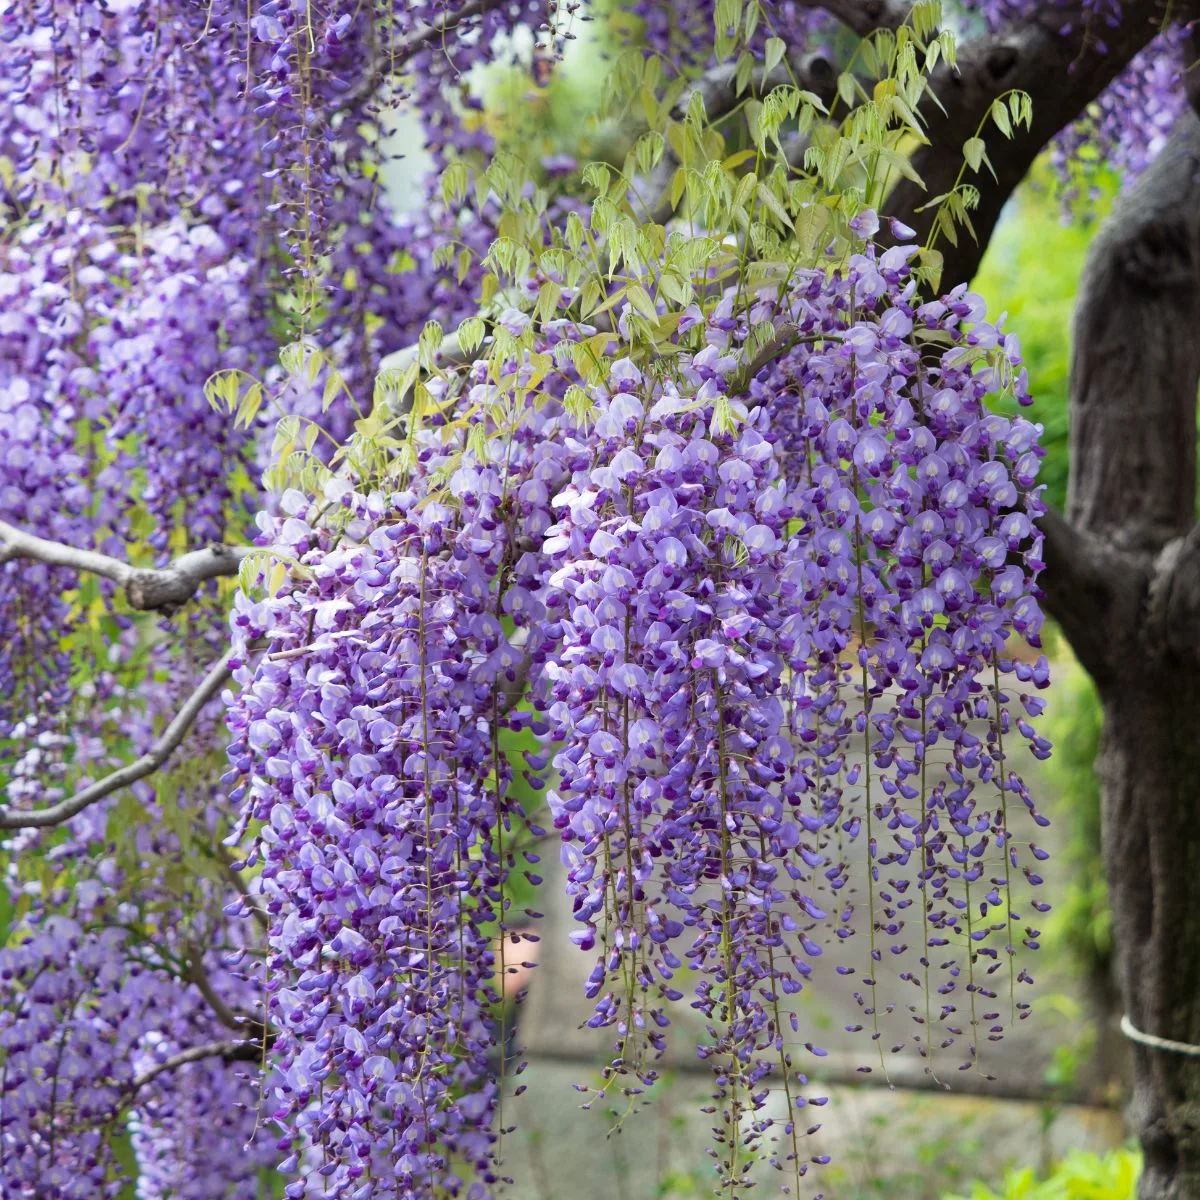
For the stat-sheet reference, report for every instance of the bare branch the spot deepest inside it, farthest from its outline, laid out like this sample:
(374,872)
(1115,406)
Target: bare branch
(230,1051)
(424,35)
(158,589)
(154,758)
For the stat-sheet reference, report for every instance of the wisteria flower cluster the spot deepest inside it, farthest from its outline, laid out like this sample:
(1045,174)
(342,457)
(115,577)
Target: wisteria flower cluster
(762,590)
(82,1022)
(762,621)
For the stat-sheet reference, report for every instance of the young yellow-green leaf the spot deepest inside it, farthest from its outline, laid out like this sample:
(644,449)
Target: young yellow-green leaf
(278,577)
(578,404)
(926,19)
(249,405)
(455,179)
(773,53)
(429,343)
(640,299)
(1001,118)
(575,232)
(846,89)
(470,334)
(771,203)
(974,151)
(292,358)
(678,183)
(314,360)
(744,72)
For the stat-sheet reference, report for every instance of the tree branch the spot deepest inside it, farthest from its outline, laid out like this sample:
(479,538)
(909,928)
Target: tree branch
(154,758)
(866,16)
(230,1051)
(423,35)
(196,974)
(159,589)
(391,59)
(1136,359)
(1084,582)
(1062,72)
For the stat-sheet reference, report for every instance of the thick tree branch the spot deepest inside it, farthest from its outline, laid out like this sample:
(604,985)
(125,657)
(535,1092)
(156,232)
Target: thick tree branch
(159,589)
(1062,72)
(866,16)
(163,748)
(1136,361)
(1085,583)
(1172,615)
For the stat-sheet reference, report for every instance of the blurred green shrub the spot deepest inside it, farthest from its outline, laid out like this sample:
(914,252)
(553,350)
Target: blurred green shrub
(1080,921)
(1080,1176)
(1031,271)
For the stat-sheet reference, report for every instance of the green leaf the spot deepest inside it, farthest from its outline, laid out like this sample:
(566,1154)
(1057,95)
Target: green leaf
(333,385)
(771,203)
(773,53)
(429,343)
(455,179)
(575,232)
(640,299)
(1001,118)
(974,151)
(471,333)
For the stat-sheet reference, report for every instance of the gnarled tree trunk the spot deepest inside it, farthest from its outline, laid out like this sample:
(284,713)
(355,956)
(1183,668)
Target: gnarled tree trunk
(1123,579)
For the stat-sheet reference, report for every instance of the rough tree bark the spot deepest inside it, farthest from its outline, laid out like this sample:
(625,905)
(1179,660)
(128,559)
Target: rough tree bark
(1123,579)
(1050,54)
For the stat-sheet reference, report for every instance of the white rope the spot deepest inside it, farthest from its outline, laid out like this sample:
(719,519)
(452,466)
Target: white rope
(1156,1043)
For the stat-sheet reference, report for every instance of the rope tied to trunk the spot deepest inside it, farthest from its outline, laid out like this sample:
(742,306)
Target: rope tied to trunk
(1156,1043)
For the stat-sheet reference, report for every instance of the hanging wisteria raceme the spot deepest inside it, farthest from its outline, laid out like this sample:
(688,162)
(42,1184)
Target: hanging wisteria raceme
(921,556)
(368,743)
(1135,115)
(194,1135)
(84,1019)
(73,1008)
(756,609)
(52,1146)
(42,477)
(668,691)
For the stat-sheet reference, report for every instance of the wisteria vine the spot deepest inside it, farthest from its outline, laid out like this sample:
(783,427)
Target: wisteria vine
(752,564)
